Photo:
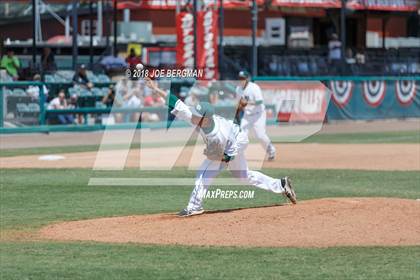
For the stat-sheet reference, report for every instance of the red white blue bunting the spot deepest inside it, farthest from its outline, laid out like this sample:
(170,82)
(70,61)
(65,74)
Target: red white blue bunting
(341,92)
(405,91)
(374,92)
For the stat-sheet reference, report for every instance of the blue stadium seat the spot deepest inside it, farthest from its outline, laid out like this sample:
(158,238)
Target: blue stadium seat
(7,91)
(19,92)
(49,79)
(97,91)
(33,107)
(99,105)
(102,78)
(104,91)
(22,108)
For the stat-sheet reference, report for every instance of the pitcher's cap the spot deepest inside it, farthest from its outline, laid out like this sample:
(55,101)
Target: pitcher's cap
(203,109)
(243,74)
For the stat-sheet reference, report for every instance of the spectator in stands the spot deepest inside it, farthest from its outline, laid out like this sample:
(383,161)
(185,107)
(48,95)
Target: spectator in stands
(334,53)
(60,103)
(350,61)
(80,78)
(110,100)
(214,97)
(33,91)
(48,60)
(192,98)
(360,58)
(132,59)
(132,101)
(11,63)
(152,100)
(349,56)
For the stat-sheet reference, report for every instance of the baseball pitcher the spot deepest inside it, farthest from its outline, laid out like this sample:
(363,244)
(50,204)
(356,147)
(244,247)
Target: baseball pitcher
(254,114)
(225,146)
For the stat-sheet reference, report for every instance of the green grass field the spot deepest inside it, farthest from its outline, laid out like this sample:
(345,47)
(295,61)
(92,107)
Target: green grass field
(30,199)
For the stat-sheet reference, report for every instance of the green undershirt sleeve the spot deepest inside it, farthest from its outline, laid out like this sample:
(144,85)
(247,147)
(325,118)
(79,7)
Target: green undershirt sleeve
(172,101)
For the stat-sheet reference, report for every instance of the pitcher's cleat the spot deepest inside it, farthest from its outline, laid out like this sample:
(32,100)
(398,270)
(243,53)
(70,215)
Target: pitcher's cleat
(272,157)
(289,192)
(187,212)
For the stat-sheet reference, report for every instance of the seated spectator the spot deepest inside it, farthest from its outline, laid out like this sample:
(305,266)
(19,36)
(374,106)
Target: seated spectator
(349,57)
(192,99)
(109,101)
(48,60)
(360,58)
(33,91)
(80,78)
(60,103)
(214,97)
(11,63)
(132,101)
(152,100)
(109,98)
(132,59)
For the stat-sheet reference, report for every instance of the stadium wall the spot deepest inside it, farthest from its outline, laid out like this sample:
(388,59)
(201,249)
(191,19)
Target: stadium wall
(369,100)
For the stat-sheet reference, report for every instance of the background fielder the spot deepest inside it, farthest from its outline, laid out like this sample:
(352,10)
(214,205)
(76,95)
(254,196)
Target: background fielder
(225,147)
(254,115)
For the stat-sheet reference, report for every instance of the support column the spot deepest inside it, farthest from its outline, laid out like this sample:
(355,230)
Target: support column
(221,38)
(254,13)
(74,33)
(34,9)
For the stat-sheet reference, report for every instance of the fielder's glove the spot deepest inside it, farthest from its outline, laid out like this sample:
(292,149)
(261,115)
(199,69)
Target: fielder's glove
(227,158)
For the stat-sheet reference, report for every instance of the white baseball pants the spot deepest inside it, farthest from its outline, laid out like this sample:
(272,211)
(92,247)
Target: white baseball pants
(239,168)
(257,123)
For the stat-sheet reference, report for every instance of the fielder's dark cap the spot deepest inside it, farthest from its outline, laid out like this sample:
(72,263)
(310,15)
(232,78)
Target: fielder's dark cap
(203,109)
(243,74)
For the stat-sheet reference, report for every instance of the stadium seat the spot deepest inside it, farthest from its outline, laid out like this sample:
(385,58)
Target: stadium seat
(19,92)
(22,108)
(7,91)
(97,91)
(74,91)
(99,105)
(49,79)
(102,78)
(85,92)
(33,108)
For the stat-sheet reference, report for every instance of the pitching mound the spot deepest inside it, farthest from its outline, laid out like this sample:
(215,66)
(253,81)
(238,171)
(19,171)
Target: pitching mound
(314,223)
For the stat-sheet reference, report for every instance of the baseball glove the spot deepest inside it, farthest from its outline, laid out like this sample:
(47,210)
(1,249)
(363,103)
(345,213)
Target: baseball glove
(214,150)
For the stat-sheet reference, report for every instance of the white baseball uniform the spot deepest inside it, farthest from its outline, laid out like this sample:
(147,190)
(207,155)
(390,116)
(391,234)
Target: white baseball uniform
(227,136)
(255,116)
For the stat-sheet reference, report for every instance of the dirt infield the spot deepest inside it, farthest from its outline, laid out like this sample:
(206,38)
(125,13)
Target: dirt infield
(314,223)
(307,156)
